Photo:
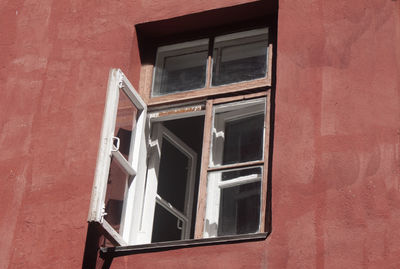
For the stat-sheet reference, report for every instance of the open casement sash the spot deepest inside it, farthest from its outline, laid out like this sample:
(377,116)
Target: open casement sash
(121,150)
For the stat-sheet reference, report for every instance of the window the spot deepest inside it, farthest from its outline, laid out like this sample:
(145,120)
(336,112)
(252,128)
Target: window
(191,161)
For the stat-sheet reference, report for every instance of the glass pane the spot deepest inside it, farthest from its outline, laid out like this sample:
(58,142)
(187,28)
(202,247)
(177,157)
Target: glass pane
(116,185)
(233,202)
(165,226)
(240,209)
(173,174)
(124,124)
(243,139)
(180,69)
(239,60)
(238,134)
(240,173)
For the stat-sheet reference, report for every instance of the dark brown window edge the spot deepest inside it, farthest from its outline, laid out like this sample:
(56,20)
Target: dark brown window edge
(112,252)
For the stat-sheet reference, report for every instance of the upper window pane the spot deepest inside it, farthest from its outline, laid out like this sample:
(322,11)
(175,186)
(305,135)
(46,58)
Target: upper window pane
(240,57)
(238,132)
(180,67)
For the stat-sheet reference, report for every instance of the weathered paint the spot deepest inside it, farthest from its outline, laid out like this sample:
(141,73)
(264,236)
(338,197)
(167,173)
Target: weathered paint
(335,168)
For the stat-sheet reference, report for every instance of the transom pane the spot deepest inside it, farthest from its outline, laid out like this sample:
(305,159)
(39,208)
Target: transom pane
(180,67)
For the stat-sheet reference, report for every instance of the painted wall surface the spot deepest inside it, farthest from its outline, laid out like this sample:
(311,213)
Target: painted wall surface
(335,167)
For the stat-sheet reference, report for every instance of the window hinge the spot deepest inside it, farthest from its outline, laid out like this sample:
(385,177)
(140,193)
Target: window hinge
(115,147)
(120,79)
(179,224)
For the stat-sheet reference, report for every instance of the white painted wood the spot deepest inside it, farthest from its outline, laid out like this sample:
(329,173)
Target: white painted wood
(239,181)
(212,205)
(123,163)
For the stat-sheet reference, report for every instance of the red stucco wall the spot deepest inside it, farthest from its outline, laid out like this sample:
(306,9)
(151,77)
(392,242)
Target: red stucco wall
(335,168)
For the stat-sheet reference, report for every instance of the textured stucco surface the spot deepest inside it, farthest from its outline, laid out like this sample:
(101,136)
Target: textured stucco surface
(335,168)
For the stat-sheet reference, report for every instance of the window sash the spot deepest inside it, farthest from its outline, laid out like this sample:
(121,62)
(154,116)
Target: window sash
(207,167)
(148,71)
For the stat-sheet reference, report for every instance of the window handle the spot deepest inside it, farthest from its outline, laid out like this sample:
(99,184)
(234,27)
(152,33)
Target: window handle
(115,147)
(179,224)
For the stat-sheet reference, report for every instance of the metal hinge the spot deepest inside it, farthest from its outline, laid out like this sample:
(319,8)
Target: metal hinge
(120,79)
(103,213)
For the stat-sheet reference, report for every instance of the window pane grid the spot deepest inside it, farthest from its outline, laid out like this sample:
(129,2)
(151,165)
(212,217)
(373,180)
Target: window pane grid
(234,58)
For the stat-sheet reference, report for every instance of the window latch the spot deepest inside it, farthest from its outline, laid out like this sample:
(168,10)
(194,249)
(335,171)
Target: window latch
(115,143)
(179,224)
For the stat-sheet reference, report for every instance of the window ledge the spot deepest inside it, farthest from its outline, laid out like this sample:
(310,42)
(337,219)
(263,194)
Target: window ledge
(112,252)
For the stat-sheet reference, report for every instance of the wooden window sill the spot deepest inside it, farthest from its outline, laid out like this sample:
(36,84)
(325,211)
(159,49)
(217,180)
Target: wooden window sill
(112,252)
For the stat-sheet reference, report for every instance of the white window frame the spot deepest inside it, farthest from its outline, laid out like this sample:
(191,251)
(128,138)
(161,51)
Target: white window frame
(117,81)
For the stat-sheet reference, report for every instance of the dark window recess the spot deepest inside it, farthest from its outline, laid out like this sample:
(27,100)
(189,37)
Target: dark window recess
(172,175)
(243,139)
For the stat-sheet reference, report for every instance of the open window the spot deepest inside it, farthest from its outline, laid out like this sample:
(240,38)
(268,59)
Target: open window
(119,158)
(192,161)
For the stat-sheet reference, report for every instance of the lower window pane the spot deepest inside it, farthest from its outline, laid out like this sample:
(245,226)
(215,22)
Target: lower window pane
(116,185)
(233,202)
(165,226)
(240,209)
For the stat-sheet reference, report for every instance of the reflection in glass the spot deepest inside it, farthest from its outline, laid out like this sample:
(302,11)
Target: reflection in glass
(116,185)
(126,114)
(239,59)
(178,73)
